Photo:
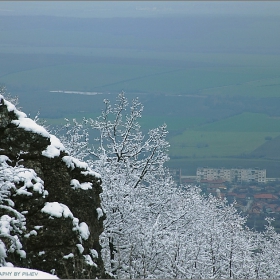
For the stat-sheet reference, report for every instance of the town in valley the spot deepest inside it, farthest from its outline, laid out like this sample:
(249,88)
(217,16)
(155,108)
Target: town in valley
(255,195)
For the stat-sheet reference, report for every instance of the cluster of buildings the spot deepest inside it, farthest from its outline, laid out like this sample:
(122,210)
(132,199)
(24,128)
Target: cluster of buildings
(231,175)
(250,189)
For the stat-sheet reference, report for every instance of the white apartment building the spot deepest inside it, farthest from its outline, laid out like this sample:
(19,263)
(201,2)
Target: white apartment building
(231,175)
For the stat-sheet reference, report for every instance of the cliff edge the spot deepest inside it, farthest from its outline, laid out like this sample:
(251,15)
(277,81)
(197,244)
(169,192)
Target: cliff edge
(50,213)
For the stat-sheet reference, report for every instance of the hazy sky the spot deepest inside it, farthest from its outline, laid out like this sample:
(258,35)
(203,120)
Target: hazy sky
(137,8)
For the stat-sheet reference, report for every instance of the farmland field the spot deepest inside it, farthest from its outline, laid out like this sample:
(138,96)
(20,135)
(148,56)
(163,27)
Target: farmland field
(220,100)
(138,75)
(197,129)
(235,136)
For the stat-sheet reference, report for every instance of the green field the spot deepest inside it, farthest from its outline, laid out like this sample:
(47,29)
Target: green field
(236,136)
(218,94)
(165,78)
(195,133)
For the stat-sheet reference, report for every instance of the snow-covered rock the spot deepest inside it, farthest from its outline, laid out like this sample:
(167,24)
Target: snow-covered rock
(50,213)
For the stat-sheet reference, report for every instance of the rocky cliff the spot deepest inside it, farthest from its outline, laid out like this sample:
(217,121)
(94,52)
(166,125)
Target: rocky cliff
(50,213)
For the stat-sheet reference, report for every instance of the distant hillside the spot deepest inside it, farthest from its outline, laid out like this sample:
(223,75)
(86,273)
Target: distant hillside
(270,149)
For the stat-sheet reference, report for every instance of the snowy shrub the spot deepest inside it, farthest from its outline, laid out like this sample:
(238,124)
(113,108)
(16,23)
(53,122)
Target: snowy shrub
(12,222)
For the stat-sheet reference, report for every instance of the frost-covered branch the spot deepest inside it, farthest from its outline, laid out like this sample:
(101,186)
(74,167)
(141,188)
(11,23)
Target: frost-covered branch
(154,228)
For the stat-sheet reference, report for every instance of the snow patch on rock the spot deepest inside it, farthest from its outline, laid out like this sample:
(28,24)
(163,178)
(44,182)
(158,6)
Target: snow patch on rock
(54,149)
(80,248)
(89,260)
(77,185)
(99,213)
(30,125)
(71,255)
(82,228)
(57,210)
(30,180)
(72,162)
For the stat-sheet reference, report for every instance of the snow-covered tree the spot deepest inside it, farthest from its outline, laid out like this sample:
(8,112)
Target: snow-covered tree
(131,166)
(266,256)
(155,229)
(13,99)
